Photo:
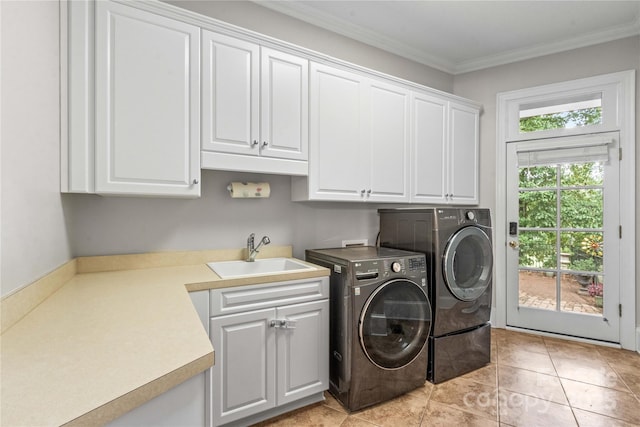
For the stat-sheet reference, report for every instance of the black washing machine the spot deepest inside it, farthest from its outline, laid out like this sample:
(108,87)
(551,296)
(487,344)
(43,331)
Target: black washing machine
(380,319)
(457,243)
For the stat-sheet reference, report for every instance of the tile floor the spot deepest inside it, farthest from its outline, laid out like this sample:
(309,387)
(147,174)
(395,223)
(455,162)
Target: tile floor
(531,381)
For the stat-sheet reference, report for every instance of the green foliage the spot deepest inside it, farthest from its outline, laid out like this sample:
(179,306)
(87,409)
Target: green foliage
(579,207)
(584,117)
(585,264)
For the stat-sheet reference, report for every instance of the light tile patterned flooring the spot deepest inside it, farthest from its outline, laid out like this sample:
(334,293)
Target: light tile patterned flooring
(531,381)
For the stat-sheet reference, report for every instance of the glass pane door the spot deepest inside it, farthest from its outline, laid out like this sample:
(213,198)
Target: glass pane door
(562,260)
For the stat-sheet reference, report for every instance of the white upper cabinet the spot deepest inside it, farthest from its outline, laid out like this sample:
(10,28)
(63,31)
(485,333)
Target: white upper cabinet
(231,94)
(255,107)
(463,153)
(359,139)
(388,120)
(337,152)
(147,94)
(429,148)
(154,93)
(444,166)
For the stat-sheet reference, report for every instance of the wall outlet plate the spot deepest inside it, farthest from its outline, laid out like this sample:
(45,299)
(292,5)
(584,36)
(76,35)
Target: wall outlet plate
(355,242)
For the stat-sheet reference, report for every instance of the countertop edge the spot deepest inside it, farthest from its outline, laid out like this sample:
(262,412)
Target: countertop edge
(135,398)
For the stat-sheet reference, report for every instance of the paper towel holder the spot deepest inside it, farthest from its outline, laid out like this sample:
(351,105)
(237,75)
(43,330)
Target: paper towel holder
(249,190)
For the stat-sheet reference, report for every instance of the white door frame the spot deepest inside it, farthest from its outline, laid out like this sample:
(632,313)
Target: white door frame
(618,95)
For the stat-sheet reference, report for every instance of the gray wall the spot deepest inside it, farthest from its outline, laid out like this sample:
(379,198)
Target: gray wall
(112,225)
(33,232)
(484,85)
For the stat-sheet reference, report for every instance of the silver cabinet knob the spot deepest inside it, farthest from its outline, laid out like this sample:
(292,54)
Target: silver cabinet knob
(195,181)
(264,144)
(254,142)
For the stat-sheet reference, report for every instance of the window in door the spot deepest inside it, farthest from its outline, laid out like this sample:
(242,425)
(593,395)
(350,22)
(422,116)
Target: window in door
(561,236)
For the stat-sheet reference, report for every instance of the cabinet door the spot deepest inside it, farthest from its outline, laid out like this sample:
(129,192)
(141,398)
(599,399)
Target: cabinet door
(147,103)
(285,105)
(230,94)
(388,135)
(338,158)
(428,145)
(243,377)
(463,154)
(303,350)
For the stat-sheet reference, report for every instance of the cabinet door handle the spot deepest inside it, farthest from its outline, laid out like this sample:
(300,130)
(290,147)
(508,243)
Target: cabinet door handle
(264,144)
(362,192)
(195,181)
(283,323)
(254,142)
(289,324)
(368,192)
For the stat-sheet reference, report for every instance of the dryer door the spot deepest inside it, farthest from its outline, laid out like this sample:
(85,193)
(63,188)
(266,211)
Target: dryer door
(467,263)
(394,324)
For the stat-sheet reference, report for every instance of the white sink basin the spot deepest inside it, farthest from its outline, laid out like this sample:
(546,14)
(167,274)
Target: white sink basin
(233,269)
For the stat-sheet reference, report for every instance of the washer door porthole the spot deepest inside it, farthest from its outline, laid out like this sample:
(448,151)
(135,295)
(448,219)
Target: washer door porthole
(467,263)
(394,324)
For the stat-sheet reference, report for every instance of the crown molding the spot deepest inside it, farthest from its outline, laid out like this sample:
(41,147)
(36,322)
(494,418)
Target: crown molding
(329,22)
(340,26)
(598,37)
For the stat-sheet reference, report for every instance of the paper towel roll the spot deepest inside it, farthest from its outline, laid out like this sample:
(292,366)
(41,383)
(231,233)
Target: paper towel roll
(249,189)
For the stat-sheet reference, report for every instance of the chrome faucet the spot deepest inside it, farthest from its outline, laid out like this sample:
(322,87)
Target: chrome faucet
(251,251)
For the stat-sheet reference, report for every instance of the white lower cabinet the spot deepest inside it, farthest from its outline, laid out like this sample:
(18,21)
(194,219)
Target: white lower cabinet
(272,358)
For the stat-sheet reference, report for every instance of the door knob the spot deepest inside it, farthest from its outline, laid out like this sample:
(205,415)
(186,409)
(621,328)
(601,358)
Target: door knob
(514,244)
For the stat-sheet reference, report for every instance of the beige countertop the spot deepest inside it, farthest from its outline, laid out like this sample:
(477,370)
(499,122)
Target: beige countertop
(116,332)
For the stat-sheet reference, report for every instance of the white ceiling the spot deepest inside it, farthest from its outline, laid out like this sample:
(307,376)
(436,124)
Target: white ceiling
(462,36)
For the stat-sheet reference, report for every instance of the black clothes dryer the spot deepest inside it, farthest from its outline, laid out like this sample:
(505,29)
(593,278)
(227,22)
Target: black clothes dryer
(457,243)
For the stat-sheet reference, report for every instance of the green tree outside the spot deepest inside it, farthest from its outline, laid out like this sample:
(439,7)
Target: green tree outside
(540,189)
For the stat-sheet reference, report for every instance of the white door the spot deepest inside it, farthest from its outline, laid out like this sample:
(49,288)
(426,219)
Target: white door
(284,130)
(243,377)
(147,103)
(563,236)
(230,94)
(428,145)
(463,155)
(338,158)
(388,120)
(303,350)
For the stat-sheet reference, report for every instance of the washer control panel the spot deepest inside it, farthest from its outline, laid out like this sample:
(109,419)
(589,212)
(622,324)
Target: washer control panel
(389,267)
